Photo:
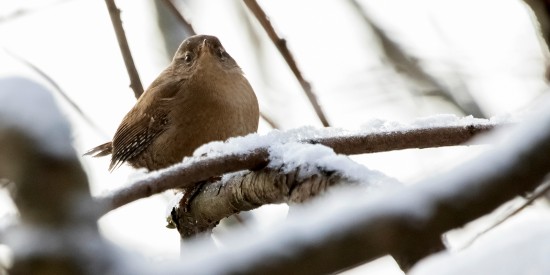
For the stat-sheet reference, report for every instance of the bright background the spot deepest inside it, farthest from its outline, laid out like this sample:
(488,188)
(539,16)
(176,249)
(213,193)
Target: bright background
(488,49)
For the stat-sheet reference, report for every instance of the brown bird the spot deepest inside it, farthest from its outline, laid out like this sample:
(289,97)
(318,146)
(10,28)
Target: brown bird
(201,96)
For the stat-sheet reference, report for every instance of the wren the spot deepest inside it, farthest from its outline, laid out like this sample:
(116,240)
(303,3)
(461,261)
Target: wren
(202,96)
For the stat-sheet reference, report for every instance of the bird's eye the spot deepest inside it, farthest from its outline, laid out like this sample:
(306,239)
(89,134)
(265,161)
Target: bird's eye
(188,57)
(220,53)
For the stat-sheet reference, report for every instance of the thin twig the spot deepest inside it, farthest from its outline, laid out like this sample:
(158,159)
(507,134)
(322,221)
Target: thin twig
(407,66)
(59,90)
(135,82)
(183,21)
(545,187)
(287,55)
(188,173)
(269,121)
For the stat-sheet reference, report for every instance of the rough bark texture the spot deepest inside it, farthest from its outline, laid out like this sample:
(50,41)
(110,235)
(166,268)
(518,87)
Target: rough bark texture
(221,199)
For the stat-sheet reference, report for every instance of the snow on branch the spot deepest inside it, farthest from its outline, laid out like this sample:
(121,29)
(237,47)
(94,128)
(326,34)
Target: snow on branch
(352,230)
(253,152)
(296,173)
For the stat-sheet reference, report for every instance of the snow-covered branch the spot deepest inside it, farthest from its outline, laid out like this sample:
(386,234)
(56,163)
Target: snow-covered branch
(285,180)
(253,152)
(354,230)
(57,225)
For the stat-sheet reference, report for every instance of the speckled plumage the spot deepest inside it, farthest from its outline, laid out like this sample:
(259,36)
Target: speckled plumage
(200,97)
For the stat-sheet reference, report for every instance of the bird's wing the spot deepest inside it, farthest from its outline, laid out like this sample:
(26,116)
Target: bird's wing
(132,139)
(140,127)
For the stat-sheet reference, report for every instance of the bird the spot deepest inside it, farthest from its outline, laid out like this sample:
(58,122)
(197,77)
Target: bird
(202,96)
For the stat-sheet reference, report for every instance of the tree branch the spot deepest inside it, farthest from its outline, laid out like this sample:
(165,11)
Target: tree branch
(135,82)
(224,198)
(280,44)
(401,222)
(200,169)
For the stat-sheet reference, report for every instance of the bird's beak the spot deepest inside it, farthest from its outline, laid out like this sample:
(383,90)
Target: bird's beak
(205,47)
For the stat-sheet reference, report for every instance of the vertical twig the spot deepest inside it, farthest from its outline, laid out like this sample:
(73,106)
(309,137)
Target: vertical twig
(135,82)
(281,46)
(269,121)
(183,21)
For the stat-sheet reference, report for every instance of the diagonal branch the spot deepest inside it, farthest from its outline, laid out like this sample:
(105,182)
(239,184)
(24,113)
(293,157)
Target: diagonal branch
(283,49)
(200,169)
(537,194)
(135,82)
(407,66)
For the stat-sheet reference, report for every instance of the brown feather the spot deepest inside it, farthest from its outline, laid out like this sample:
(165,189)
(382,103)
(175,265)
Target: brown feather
(101,150)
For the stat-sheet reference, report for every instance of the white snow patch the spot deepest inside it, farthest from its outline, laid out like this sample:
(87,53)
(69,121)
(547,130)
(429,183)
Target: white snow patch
(435,121)
(243,145)
(173,203)
(310,159)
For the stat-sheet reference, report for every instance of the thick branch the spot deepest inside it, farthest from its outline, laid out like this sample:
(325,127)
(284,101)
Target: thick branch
(287,55)
(135,82)
(221,199)
(401,222)
(203,168)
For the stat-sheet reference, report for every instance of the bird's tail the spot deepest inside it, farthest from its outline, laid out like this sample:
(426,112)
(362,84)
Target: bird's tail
(101,150)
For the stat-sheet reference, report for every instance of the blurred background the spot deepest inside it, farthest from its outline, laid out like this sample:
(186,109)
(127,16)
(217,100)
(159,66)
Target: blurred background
(366,59)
